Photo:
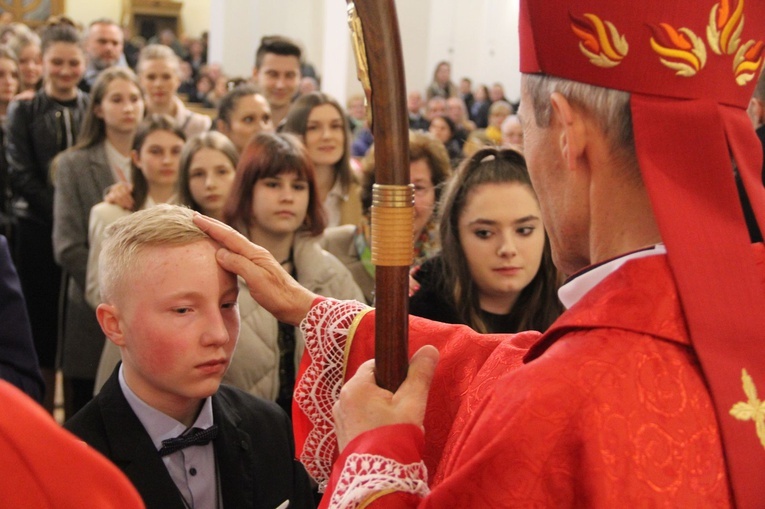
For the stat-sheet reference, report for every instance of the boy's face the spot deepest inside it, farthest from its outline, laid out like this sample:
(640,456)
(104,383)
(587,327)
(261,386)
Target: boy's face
(278,77)
(178,325)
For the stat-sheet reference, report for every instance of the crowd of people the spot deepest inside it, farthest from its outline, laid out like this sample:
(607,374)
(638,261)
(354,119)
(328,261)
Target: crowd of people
(117,192)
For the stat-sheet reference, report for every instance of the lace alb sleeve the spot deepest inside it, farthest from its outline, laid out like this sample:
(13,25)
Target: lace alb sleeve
(367,475)
(326,328)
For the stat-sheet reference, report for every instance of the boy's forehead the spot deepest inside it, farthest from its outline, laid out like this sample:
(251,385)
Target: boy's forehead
(199,255)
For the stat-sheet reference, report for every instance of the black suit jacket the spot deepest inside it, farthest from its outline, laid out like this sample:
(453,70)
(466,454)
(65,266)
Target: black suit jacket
(254,450)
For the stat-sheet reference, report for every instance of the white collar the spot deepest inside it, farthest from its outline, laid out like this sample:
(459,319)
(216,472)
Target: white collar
(158,425)
(578,286)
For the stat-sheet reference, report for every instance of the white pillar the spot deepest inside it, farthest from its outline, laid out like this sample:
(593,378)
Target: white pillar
(337,64)
(235,31)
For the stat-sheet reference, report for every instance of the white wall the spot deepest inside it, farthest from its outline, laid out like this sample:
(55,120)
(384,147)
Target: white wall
(479,37)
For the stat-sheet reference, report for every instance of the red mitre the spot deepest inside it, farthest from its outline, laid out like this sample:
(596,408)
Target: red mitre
(691,67)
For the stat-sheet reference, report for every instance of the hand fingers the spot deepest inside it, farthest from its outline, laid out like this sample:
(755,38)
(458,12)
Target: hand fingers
(365,376)
(421,369)
(366,372)
(226,236)
(238,264)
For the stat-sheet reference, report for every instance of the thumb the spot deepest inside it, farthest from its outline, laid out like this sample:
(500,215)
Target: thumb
(420,374)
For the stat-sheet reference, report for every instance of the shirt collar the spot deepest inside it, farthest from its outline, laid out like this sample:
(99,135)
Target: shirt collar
(158,425)
(116,159)
(337,191)
(579,284)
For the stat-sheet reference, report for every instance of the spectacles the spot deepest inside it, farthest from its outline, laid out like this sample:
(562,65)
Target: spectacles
(420,190)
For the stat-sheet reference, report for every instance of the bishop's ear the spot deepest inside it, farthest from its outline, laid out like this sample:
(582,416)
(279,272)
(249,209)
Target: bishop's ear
(108,316)
(571,129)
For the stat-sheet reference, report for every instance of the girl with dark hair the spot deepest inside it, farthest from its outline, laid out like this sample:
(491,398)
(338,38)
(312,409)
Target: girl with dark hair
(275,203)
(242,113)
(323,127)
(100,159)
(445,130)
(495,271)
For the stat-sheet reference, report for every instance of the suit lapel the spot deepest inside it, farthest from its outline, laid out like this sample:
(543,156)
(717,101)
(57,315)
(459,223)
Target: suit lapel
(133,451)
(235,458)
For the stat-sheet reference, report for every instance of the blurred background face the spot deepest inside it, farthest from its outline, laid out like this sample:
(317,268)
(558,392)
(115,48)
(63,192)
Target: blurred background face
(424,194)
(443,73)
(160,80)
(278,77)
(497,117)
(250,115)
(357,109)
(63,67)
(307,85)
(9,79)
(436,107)
(440,129)
(414,102)
(455,108)
(325,135)
(497,93)
(159,158)
(104,45)
(512,132)
(30,66)
(211,175)
(465,87)
(122,106)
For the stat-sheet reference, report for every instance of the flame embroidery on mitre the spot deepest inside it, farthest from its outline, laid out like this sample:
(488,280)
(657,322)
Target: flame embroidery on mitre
(600,41)
(680,50)
(747,61)
(725,27)
(751,410)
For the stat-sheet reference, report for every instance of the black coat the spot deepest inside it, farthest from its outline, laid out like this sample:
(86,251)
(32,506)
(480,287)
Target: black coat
(431,300)
(254,450)
(37,130)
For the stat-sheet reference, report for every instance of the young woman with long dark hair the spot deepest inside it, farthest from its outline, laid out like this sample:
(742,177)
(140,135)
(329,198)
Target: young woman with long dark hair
(495,271)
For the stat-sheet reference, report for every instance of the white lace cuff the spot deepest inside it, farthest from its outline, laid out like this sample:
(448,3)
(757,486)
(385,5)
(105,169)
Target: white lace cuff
(364,475)
(325,328)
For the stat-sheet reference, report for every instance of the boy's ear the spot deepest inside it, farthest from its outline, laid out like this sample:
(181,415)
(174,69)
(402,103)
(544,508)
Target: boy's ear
(108,317)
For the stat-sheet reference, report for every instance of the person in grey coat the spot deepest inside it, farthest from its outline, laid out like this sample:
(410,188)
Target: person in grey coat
(82,175)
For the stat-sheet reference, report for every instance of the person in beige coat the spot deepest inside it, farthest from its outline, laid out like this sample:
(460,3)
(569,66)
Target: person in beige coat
(275,203)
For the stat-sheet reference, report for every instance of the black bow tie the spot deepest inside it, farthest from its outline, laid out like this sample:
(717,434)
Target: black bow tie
(196,436)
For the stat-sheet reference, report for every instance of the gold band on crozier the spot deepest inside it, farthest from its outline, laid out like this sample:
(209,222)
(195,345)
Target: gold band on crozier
(392,225)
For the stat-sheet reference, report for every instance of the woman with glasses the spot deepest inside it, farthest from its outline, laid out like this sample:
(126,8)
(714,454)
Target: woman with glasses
(429,170)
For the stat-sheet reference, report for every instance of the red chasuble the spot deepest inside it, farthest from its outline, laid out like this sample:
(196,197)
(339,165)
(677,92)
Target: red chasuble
(607,409)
